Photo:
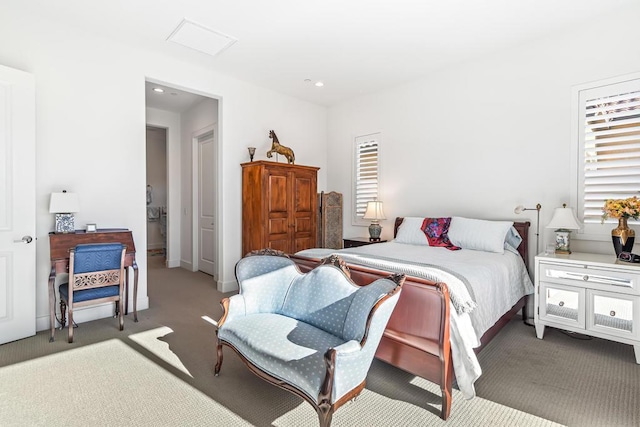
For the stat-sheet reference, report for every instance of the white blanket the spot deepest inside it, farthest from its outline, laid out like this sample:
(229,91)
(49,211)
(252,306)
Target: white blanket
(492,282)
(459,289)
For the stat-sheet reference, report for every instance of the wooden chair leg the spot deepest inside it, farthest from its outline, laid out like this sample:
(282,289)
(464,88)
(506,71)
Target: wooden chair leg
(216,371)
(121,315)
(63,314)
(325,414)
(70,327)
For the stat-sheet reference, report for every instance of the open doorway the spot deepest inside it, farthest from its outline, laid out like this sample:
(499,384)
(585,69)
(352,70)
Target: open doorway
(186,117)
(157,193)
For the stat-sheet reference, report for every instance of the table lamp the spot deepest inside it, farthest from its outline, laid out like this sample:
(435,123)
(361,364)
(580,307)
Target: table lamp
(375,214)
(564,220)
(64,205)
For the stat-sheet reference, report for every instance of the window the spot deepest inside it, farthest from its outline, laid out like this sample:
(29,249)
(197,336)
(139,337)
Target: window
(366,174)
(608,166)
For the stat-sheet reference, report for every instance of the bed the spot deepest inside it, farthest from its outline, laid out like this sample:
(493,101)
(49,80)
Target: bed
(448,310)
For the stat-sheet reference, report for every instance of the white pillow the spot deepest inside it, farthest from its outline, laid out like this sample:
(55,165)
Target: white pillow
(410,232)
(479,234)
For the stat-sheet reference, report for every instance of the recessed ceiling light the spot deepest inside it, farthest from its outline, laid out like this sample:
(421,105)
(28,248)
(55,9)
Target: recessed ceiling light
(319,84)
(158,89)
(307,80)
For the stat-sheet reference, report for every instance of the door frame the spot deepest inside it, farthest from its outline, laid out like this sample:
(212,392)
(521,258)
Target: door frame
(171,182)
(195,198)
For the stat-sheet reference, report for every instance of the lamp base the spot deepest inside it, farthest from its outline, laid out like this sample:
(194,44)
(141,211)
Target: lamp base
(563,242)
(65,223)
(374,232)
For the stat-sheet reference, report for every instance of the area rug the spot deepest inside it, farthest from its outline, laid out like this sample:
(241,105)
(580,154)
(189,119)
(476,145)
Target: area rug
(112,384)
(104,384)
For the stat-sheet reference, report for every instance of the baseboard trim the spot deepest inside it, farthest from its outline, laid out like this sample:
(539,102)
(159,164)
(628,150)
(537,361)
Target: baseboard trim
(172,263)
(186,265)
(228,286)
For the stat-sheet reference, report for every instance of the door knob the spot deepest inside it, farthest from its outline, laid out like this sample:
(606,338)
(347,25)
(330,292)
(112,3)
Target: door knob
(25,239)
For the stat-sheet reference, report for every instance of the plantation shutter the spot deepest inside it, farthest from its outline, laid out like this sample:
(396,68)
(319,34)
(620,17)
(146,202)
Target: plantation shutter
(366,172)
(609,120)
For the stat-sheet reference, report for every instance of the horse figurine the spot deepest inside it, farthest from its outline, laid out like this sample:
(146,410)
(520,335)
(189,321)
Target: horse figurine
(280,149)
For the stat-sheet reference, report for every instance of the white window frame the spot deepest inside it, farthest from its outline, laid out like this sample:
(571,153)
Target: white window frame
(357,141)
(590,230)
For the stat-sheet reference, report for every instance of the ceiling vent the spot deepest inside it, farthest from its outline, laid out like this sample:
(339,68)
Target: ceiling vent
(200,38)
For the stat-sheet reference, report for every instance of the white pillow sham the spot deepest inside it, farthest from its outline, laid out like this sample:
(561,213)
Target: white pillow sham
(410,232)
(479,234)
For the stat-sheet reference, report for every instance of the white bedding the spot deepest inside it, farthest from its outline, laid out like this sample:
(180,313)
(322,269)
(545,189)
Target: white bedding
(485,285)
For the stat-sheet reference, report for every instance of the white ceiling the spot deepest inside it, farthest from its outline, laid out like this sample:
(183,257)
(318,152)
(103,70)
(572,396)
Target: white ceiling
(353,46)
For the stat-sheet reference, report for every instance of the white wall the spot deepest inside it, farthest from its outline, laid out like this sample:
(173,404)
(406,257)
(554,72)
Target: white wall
(482,137)
(90,110)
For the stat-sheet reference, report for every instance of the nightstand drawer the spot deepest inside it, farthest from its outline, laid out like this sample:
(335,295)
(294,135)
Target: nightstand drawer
(562,304)
(613,313)
(591,277)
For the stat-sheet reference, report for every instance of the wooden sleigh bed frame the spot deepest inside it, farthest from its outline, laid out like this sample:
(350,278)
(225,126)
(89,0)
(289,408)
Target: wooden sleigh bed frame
(416,339)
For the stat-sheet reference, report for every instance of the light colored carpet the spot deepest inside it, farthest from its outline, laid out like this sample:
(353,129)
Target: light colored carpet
(103,384)
(111,384)
(575,380)
(161,369)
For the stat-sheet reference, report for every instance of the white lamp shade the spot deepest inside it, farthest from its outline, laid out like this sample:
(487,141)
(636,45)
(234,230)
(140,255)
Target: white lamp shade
(374,211)
(64,203)
(564,218)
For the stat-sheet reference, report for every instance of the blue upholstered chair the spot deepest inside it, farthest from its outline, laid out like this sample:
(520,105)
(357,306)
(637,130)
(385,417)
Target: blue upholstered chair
(313,334)
(96,276)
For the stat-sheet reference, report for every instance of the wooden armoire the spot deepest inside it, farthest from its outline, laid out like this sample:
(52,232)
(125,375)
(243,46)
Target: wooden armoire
(279,204)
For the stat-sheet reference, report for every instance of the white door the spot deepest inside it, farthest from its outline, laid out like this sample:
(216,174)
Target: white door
(206,186)
(17,205)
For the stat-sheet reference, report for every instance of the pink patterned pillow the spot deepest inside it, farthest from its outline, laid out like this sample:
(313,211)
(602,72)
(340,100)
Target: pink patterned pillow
(436,230)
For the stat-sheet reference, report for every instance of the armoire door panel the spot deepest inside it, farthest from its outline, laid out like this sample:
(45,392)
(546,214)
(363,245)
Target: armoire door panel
(280,245)
(303,225)
(304,194)
(303,243)
(277,193)
(278,226)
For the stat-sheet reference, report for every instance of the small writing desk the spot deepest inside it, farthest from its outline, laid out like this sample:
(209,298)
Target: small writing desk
(61,243)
